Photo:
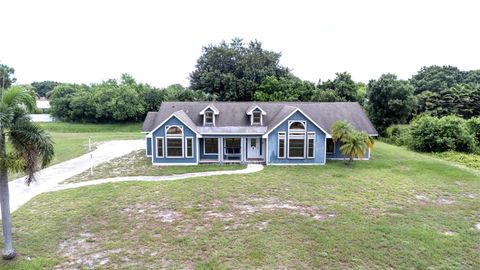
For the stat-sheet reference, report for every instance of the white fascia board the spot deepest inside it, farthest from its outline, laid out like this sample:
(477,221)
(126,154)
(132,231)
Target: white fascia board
(306,116)
(179,119)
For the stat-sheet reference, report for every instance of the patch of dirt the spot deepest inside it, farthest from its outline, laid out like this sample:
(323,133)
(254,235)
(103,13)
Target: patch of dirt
(220,215)
(152,212)
(445,201)
(469,195)
(263,205)
(421,198)
(80,253)
(449,233)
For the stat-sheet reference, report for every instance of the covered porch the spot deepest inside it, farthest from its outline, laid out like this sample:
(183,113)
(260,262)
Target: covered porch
(232,149)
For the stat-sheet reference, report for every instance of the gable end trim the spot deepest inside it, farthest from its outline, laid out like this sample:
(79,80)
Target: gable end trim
(292,113)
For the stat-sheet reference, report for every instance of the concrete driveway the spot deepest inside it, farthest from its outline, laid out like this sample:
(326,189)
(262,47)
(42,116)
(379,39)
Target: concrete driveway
(50,177)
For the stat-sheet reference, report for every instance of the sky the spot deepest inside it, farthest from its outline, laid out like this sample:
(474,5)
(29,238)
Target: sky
(159,42)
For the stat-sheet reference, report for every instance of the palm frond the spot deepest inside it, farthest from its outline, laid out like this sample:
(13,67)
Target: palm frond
(13,162)
(341,131)
(18,95)
(33,144)
(6,115)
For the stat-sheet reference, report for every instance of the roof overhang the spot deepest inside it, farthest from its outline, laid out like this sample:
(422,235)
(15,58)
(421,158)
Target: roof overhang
(246,130)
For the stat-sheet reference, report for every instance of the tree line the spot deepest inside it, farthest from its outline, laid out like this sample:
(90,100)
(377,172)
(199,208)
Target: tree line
(239,71)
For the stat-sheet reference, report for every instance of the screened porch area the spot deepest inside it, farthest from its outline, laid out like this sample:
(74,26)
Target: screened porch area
(232,149)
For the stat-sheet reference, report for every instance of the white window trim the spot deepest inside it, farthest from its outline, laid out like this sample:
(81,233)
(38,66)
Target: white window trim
(186,147)
(282,135)
(156,148)
(211,154)
(296,137)
(261,119)
(174,136)
(205,118)
(224,146)
(311,135)
(326,142)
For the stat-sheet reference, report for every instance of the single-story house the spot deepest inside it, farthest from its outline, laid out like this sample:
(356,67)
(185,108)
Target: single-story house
(274,133)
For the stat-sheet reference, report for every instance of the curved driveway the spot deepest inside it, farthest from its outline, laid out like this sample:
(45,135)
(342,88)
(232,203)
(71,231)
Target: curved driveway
(50,178)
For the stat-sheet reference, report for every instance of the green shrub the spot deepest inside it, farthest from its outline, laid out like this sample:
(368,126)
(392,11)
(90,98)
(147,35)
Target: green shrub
(449,133)
(397,135)
(474,125)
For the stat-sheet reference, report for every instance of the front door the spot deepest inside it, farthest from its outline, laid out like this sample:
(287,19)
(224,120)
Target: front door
(253,147)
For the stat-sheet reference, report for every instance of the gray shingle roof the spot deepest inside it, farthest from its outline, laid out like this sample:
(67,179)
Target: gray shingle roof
(233,114)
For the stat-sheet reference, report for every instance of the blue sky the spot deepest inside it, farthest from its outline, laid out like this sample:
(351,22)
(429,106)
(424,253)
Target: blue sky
(158,42)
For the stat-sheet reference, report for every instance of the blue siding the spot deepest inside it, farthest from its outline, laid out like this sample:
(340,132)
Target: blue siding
(320,137)
(338,155)
(149,146)
(160,132)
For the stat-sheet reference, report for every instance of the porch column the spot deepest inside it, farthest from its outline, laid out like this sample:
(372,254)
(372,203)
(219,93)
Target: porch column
(220,149)
(242,149)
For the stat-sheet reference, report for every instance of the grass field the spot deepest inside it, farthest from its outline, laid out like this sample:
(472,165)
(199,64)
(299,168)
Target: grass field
(71,139)
(400,210)
(138,164)
(470,160)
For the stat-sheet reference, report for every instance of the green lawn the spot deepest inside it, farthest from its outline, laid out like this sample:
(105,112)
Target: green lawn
(400,210)
(137,163)
(71,139)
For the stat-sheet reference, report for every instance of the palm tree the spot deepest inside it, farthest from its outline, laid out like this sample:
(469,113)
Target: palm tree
(356,145)
(341,131)
(31,149)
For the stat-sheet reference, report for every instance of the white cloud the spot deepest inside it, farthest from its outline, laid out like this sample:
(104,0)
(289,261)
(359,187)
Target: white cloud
(159,42)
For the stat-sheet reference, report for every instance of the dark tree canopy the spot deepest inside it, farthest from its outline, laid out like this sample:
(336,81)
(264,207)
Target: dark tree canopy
(43,88)
(284,89)
(436,78)
(233,71)
(446,90)
(343,86)
(390,101)
(6,76)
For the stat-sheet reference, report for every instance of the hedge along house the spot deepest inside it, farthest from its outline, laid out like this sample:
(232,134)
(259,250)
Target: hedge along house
(288,133)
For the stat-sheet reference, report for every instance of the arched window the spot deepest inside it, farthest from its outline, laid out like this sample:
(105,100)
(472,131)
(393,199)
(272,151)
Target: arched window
(296,139)
(174,130)
(174,141)
(297,126)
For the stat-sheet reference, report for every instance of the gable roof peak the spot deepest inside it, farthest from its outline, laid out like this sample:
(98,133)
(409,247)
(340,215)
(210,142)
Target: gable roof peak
(211,107)
(254,107)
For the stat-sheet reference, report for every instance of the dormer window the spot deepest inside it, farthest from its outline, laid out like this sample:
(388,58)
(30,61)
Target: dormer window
(209,115)
(257,118)
(256,115)
(208,118)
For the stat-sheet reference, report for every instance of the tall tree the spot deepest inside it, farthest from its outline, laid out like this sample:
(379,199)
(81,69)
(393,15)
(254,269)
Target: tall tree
(436,78)
(284,89)
(43,88)
(343,85)
(6,76)
(31,149)
(233,71)
(390,101)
